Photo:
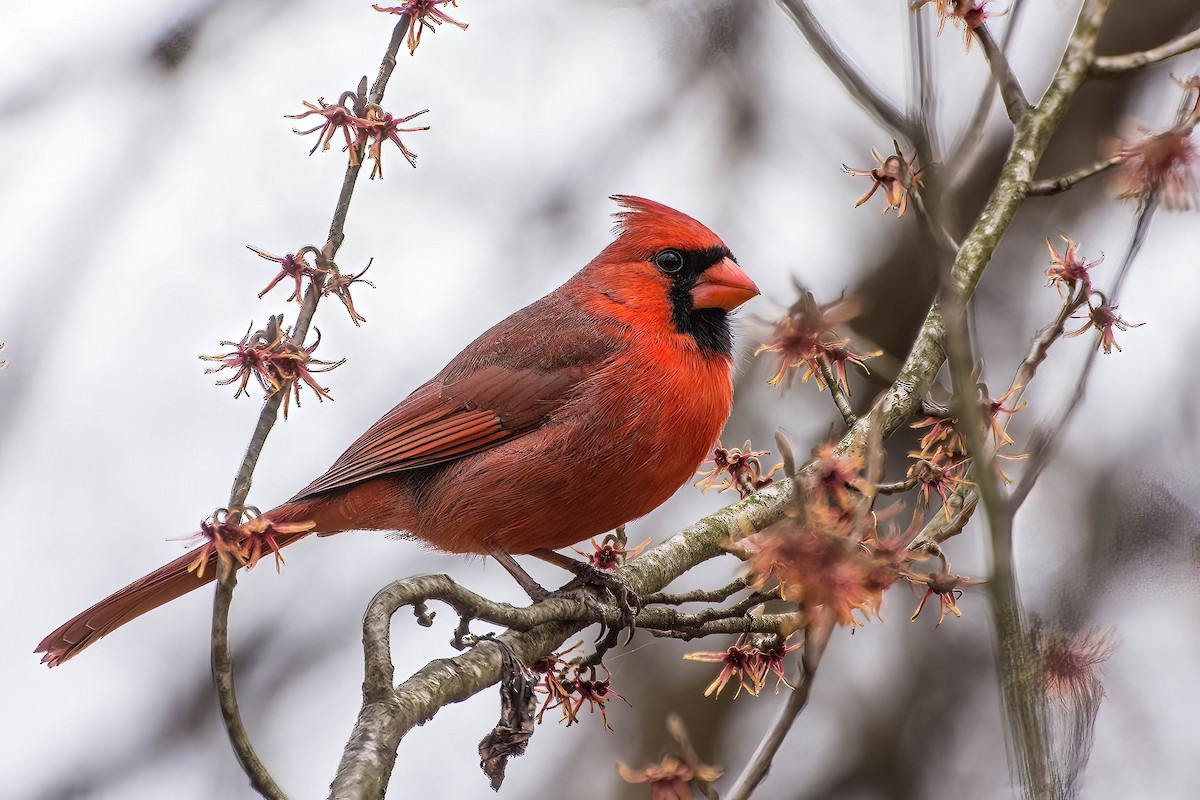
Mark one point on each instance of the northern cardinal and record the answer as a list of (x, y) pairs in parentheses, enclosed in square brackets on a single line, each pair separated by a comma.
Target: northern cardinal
[(573, 416)]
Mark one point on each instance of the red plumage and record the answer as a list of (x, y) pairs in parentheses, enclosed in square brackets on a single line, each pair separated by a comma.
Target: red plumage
[(577, 414)]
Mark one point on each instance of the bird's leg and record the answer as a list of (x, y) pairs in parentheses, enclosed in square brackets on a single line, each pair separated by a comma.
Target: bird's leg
[(587, 575), (535, 590), (538, 593)]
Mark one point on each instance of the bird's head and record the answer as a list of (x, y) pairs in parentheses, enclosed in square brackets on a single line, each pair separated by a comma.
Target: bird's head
[(665, 264)]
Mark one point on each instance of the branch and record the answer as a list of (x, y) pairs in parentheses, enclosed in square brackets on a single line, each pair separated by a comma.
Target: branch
[(1010, 88), (1024, 710), (870, 98), (1117, 66), (222, 659), (1050, 186)]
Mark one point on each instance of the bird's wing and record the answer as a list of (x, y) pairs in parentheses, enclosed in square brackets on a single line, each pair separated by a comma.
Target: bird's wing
[(503, 385)]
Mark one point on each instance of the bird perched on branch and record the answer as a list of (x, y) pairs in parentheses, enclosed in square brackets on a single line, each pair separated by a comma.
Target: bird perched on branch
[(527, 440)]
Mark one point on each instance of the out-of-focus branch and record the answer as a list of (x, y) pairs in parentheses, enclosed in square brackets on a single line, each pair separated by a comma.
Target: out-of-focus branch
[(1049, 186), (886, 113), (1010, 88), (816, 637), (1116, 66), (1024, 709), (922, 90), (222, 659)]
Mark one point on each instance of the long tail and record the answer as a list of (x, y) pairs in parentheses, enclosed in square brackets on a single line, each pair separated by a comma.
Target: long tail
[(145, 594)]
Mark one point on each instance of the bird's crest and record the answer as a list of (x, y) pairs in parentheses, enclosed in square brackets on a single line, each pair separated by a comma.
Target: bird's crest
[(647, 222)]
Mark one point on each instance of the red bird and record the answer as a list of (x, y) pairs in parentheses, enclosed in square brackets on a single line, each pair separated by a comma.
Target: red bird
[(527, 440)]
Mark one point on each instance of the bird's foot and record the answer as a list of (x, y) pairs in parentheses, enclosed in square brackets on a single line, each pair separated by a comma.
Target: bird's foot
[(574, 593), (626, 599), (586, 577)]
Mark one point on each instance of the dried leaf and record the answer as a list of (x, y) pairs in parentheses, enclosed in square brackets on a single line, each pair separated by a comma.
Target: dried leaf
[(517, 704)]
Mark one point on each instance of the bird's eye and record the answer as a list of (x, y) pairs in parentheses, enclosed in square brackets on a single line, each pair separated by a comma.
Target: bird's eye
[(669, 261)]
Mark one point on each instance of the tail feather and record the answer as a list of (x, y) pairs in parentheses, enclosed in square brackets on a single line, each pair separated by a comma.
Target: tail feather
[(145, 594)]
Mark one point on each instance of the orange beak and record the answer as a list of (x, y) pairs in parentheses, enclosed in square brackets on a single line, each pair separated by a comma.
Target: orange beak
[(723, 285)]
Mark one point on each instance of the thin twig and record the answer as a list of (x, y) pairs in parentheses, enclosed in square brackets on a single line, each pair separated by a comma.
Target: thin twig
[(962, 504), (1044, 440), (1010, 88), (868, 96), (697, 595), (1116, 66), (898, 487), (222, 672), (837, 395), (816, 637), (1040, 347), (1050, 186), (222, 659)]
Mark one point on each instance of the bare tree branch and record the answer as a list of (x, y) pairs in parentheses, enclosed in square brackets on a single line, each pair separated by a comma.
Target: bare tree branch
[(1062, 183), (886, 113), (1117, 66), (222, 659)]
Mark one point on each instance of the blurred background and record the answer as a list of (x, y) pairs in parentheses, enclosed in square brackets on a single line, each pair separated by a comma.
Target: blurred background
[(143, 146)]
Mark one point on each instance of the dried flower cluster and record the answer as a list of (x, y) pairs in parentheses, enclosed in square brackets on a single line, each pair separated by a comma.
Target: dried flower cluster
[(944, 457), (748, 664), (240, 542), (741, 467), (1155, 164), (828, 554), (1068, 662), (568, 686), (275, 361), (967, 14), (1068, 270), (423, 15), (806, 336), (894, 174), (326, 274), (1102, 317), (1162, 164), (611, 552), (370, 131), (945, 586), (678, 773)]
